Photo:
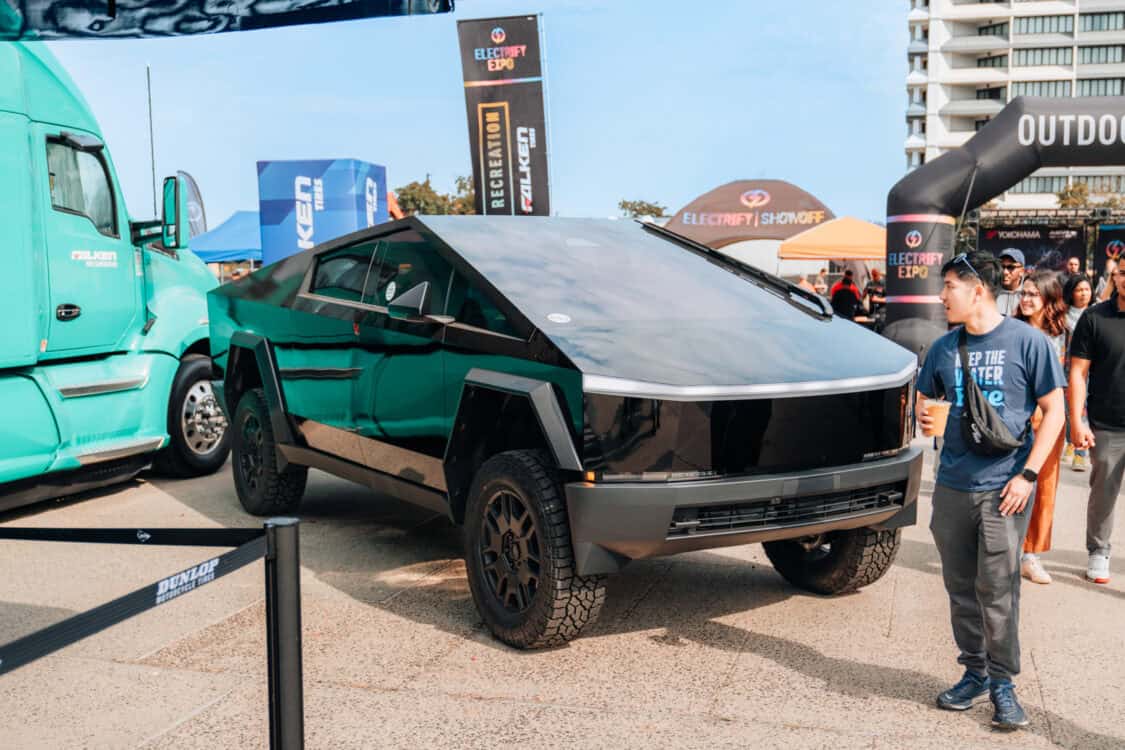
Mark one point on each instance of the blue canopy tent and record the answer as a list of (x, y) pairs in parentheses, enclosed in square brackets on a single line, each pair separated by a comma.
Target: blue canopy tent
[(237, 238)]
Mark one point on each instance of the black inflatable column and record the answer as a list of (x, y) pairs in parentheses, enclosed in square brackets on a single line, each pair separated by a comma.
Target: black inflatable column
[(917, 247)]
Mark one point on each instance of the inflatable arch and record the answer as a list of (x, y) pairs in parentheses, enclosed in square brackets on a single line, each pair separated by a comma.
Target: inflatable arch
[(923, 208)]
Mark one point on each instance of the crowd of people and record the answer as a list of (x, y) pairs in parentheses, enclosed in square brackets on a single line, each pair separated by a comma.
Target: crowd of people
[(1036, 360), (847, 299)]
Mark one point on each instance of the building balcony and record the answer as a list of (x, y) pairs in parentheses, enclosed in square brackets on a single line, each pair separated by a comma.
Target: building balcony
[(918, 15), (972, 108), (1105, 70), (974, 11), (1042, 72), (975, 44), (1033, 41), (915, 109), (952, 139), (915, 142), (917, 78), (917, 47), (973, 76)]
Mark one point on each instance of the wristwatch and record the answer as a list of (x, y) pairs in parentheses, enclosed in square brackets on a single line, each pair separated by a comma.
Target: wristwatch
[(1029, 474)]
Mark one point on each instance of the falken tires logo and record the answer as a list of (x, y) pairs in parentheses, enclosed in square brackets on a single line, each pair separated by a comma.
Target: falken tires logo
[(755, 198), (181, 583), (371, 197), (498, 35), (913, 238)]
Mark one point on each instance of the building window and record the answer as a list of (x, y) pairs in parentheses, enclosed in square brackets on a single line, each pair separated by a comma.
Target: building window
[(1103, 21), (994, 29), (978, 124), (1046, 56), (1039, 185), (1102, 55), (80, 185), (995, 61), (1040, 88), (1101, 87), (1045, 25), (1101, 183), (999, 93)]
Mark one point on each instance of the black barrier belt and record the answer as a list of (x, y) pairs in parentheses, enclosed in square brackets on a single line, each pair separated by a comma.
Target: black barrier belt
[(50, 639), (169, 537)]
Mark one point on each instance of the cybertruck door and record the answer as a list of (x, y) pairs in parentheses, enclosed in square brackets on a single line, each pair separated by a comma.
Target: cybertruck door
[(90, 259), (400, 393)]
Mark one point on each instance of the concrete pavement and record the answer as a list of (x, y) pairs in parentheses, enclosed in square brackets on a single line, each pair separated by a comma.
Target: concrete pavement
[(709, 649)]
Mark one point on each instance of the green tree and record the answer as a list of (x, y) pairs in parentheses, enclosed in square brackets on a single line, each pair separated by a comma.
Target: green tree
[(1076, 195), (465, 199), (421, 198), (633, 209)]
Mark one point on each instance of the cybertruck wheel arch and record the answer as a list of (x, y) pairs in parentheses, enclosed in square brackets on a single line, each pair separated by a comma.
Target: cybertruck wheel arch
[(529, 415), (923, 207), (251, 364)]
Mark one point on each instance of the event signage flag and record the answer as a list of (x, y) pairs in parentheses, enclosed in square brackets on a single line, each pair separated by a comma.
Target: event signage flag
[(197, 214), (1110, 244), (500, 60), (1043, 247), (305, 203)]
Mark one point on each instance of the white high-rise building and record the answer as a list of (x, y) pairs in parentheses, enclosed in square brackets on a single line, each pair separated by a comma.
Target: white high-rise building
[(968, 58)]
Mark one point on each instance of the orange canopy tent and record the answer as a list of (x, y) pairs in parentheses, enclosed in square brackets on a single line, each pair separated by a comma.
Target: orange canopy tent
[(846, 238)]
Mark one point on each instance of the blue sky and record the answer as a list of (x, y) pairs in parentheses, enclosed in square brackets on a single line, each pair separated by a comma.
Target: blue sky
[(656, 100)]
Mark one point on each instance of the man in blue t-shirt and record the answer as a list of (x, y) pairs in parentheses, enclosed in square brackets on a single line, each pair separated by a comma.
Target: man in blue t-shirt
[(981, 504)]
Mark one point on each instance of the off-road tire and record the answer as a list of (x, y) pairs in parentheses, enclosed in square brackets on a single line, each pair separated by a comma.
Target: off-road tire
[(855, 558), (262, 489), (562, 602), (177, 459)]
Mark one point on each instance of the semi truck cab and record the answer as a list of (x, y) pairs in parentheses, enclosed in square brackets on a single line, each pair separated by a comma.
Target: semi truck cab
[(104, 353)]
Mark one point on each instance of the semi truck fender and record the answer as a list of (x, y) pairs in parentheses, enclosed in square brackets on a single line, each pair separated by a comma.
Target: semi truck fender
[(251, 364), (499, 412)]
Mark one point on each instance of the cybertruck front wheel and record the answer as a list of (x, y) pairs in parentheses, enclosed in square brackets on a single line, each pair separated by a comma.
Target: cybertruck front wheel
[(519, 557), (837, 562), (261, 488)]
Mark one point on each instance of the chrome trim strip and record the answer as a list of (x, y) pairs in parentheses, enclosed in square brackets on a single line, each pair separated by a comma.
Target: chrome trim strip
[(607, 386), (104, 386), (374, 454), (320, 373), (124, 451)]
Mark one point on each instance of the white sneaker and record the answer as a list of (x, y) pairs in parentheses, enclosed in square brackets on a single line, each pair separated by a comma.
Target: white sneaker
[(1032, 569), (1097, 569)]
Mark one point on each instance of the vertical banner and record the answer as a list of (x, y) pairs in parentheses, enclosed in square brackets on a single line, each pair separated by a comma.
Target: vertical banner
[(503, 72), (1043, 247), (1110, 244), (917, 247), (197, 215)]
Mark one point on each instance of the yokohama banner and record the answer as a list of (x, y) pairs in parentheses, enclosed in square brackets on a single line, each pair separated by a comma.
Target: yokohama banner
[(503, 75), (1042, 247)]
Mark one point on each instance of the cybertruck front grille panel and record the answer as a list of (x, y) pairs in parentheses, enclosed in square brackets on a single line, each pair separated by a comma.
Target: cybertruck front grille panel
[(782, 512)]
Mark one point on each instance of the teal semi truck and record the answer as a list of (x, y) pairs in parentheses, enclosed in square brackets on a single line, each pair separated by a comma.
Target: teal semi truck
[(104, 355)]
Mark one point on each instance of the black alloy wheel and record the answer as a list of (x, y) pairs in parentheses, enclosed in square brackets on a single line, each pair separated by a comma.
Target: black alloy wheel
[(250, 455), (261, 488), (509, 551)]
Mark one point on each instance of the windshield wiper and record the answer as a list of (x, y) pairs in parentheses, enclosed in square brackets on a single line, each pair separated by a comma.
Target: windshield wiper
[(762, 278)]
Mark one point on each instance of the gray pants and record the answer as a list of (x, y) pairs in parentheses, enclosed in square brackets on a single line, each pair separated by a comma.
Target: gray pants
[(980, 564), (1105, 484)]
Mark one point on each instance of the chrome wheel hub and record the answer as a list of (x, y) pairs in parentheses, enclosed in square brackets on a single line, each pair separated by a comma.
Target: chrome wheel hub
[(201, 420)]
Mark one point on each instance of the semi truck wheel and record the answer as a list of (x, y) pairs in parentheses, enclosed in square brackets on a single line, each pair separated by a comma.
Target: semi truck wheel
[(261, 488), (199, 442), (837, 562), (519, 558)]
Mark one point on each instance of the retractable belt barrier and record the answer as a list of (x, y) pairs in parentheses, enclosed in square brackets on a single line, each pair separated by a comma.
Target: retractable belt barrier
[(276, 542)]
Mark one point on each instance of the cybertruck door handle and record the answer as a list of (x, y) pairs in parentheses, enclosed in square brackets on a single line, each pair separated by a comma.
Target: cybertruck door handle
[(67, 312)]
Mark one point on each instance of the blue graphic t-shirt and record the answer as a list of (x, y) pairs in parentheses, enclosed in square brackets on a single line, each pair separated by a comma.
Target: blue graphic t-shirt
[(1015, 365)]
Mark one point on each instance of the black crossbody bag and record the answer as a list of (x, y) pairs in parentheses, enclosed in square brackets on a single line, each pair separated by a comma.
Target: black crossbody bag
[(981, 426)]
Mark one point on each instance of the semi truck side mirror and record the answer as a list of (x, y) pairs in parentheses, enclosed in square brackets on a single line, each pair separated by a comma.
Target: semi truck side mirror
[(176, 229)]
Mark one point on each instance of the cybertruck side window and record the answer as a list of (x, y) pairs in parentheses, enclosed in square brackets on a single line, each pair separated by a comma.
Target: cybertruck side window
[(342, 273), (80, 185), (404, 260), (470, 306)]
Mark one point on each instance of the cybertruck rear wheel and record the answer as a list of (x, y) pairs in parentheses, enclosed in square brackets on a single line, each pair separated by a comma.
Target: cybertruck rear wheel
[(837, 562), (519, 557), (199, 441), (262, 489)]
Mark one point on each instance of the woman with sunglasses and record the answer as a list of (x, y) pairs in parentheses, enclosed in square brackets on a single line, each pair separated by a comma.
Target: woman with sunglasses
[(1041, 306)]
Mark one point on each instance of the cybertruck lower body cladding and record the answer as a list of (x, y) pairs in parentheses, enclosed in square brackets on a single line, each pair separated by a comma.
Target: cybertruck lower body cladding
[(675, 476)]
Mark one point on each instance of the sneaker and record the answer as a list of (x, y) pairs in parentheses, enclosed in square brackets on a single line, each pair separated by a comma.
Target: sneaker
[(1009, 713), (1080, 463), (971, 689), (1033, 571), (1068, 454), (1097, 569)]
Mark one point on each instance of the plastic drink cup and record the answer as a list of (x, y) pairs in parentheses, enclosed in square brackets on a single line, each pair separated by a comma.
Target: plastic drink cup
[(938, 411)]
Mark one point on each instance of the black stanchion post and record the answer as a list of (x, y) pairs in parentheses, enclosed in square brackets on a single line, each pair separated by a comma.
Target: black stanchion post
[(283, 635)]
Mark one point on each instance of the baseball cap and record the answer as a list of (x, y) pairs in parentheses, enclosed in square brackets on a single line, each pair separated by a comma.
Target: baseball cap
[(1014, 254)]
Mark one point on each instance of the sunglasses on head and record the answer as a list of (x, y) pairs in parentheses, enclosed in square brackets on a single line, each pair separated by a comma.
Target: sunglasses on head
[(964, 258)]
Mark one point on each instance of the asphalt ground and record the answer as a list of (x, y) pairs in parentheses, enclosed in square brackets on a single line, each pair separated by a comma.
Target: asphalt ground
[(709, 649)]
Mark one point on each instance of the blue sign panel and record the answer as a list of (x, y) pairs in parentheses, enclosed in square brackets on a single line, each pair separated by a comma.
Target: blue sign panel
[(305, 203)]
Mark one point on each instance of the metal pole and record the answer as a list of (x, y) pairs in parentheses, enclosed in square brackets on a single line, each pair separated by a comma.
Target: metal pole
[(283, 635), (546, 104), (151, 142)]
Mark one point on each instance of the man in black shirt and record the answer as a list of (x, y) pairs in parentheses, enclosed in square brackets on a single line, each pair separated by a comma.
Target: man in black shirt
[(1098, 351)]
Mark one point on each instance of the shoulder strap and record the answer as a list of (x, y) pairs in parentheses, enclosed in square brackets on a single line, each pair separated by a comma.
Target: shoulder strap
[(963, 350)]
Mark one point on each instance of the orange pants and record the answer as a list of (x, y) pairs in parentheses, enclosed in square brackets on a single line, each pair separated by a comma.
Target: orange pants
[(1043, 512)]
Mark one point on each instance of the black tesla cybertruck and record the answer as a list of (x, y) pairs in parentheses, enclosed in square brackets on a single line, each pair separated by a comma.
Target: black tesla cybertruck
[(577, 394)]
